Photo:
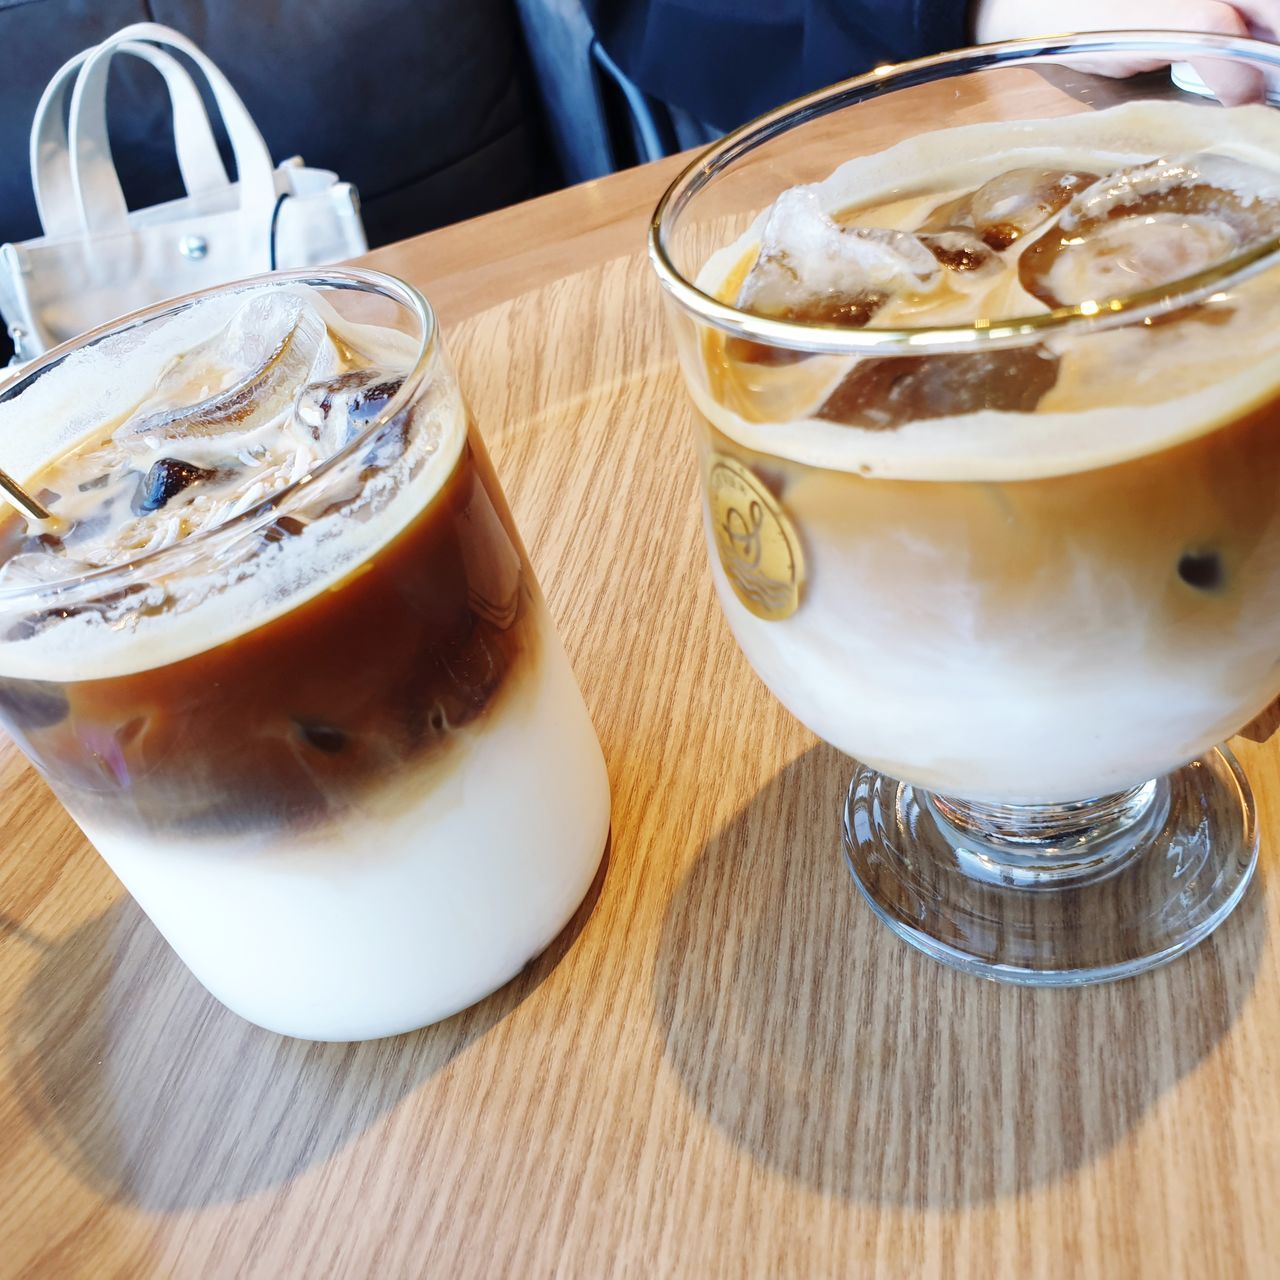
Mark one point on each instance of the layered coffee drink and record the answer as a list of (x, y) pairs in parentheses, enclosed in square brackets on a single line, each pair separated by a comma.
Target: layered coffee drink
[(281, 655), (1031, 555)]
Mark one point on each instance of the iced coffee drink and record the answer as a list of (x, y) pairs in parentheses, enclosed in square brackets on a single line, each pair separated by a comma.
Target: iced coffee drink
[(1093, 593), (986, 420), (283, 658)]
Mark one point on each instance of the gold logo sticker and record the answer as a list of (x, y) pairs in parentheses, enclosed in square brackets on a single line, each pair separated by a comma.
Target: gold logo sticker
[(758, 546)]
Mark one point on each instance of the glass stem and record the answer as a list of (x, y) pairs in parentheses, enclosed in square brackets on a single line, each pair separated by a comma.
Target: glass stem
[(1034, 846)]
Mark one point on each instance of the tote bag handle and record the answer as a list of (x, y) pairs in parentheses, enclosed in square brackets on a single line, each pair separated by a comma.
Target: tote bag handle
[(98, 201), (198, 157)]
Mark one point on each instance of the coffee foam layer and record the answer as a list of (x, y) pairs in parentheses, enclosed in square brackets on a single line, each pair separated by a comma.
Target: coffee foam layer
[(1121, 393)]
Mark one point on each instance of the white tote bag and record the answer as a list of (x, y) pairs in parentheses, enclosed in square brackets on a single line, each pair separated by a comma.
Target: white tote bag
[(96, 260)]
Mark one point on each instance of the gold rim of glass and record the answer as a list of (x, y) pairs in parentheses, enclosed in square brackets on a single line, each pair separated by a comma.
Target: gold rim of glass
[(248, 521), (1091, 314)]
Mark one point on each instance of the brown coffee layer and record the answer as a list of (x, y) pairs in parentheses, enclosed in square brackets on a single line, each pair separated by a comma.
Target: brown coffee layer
[(298, 719), (1185, 541)]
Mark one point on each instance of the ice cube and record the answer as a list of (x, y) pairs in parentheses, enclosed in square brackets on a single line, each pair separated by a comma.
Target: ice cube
[(215, 401), (881, 393), (1201, 183), (809, 268), (1149, 225), (1017, 202), (330, 413), (166, 479), (35, 569), (962, 250)]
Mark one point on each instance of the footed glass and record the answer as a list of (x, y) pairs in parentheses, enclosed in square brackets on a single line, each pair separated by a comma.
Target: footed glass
[(993, 506)]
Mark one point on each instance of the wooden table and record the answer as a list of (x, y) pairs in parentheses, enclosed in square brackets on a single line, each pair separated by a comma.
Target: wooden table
[(725, 1066)]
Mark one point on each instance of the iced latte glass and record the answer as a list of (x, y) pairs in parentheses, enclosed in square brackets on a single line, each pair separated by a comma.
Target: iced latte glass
[(283, 658), (985, 361)]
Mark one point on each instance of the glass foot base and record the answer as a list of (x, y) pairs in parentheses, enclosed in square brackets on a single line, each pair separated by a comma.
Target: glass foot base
[(1056, 895)]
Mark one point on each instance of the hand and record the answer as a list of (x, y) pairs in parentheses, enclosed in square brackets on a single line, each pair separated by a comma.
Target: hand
[(1232, 83)]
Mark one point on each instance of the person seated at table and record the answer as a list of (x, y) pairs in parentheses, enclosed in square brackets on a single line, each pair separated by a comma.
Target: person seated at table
[(725, 61)]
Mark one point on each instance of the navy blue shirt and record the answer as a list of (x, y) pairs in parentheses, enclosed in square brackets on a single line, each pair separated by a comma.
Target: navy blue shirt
[(728, 60)]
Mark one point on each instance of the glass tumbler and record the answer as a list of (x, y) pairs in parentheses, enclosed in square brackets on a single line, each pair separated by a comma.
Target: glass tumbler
[(332, 745), (1023, 565)]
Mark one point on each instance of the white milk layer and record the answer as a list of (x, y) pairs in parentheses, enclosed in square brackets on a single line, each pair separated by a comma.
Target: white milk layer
[(1066, 701), (1083, 679), (381, 923)]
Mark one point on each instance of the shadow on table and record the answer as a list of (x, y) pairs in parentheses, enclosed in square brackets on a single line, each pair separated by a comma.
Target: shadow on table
[(833, 1052), (159, 1097)]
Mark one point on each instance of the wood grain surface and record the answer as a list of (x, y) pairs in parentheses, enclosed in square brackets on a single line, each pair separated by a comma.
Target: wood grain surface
[(725, 1066)]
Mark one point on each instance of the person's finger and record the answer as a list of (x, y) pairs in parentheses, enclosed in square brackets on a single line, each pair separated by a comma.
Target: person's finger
[(1009, 19), (1263, 17), (1115, 68), (1232, 83)]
